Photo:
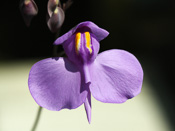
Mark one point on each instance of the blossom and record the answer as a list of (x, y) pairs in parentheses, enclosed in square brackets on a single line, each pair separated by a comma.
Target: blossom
[(28, 10), (55, 16), (112, 76), (55, 12)]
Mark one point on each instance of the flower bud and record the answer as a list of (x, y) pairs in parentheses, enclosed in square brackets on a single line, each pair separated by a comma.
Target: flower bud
[(28, 10), (52, 4), (56, 19)]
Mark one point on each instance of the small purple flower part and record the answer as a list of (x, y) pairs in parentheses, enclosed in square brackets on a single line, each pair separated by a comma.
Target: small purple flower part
[(56, 15), (28, 10), (113, 76)]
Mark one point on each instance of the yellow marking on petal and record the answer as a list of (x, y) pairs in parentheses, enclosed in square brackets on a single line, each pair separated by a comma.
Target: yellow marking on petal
[(26, 2), (56, 2), (56, 10), (77, 42), (88, 41)]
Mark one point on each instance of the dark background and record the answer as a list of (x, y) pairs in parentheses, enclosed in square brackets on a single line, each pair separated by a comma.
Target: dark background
[(145, 28)]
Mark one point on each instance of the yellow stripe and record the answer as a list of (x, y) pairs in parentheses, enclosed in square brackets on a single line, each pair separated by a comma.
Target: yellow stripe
[(56, 10), (88, 41), (77, 42), (26, 2), (56, 1)]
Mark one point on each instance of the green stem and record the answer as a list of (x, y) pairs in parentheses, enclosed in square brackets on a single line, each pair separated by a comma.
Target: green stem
[(37, 118)]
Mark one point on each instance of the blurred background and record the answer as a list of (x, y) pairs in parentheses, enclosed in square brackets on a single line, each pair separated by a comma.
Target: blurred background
[(146, 28)]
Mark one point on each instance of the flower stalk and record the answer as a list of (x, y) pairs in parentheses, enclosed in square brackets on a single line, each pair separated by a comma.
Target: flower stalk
[(37, 118)]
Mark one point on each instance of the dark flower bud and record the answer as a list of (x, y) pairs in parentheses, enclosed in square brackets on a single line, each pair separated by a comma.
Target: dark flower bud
[(56, 19), (52, 4), (28, 10)]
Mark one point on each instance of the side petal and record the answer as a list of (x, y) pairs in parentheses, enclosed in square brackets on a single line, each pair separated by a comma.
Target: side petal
[(116, 76), (55, 83), (98, 32)]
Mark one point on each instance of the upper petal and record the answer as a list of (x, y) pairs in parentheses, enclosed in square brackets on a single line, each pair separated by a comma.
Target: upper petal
[(76, 49), (55, 83), (98, 32), (116, 76)]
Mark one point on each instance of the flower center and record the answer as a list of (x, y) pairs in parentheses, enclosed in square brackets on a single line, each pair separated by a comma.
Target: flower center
[(83, 39)]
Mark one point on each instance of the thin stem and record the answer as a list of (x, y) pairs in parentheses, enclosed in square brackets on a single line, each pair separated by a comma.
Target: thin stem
[(55, 47), (37, 118)]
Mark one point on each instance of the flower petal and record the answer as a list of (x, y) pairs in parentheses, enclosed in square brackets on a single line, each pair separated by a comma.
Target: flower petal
[(82, 56), (55, 83), (116, 76), (99, 33)]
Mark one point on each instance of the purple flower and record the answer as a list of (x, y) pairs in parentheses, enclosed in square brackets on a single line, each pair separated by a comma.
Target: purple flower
[(28, 10), (113, 76), (55, 16)]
